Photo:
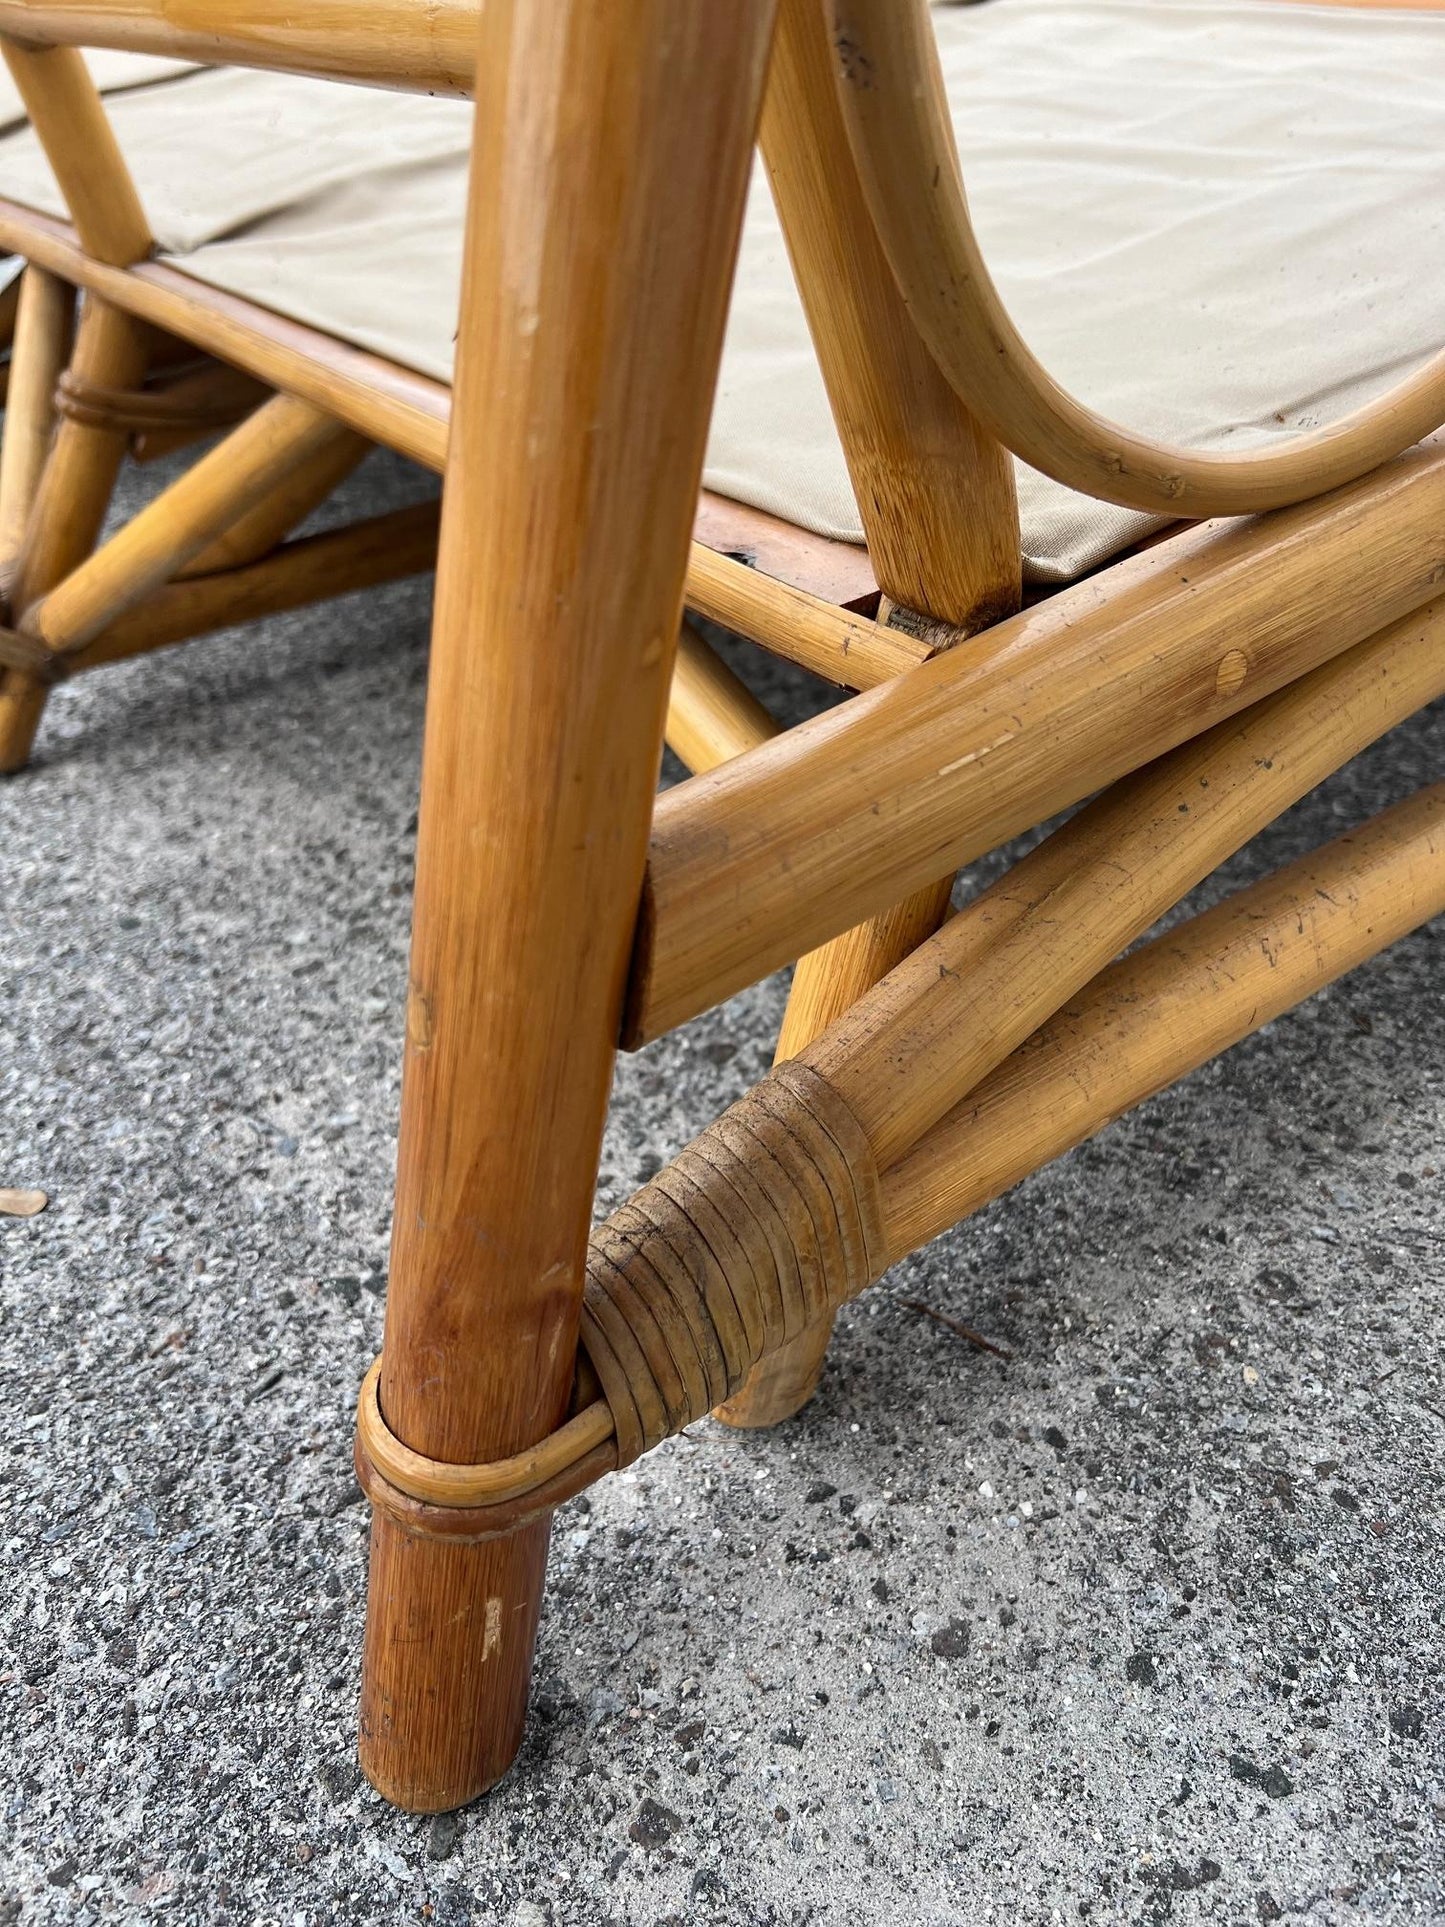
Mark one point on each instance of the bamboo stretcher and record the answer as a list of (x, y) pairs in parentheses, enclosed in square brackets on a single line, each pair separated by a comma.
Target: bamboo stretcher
[(1184, 696)]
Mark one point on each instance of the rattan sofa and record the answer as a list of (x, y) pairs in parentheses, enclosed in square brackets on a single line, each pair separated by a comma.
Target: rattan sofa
[(1206, 219)]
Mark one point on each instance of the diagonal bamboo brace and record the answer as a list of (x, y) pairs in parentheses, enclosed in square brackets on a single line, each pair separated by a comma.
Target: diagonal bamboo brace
[(223, 486)]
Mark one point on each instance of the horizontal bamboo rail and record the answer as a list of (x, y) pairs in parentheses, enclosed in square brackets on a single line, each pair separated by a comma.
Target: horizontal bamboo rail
[(410, 413), (845, 648), (1168, 1008), (385, 548), (806, 836), (952, 1011), (901, 133), (425, 49), (386, 403)]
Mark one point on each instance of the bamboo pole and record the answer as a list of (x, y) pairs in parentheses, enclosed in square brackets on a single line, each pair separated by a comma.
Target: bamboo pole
[(781, 849), (70, 121), (111, 350), (382, 43), (936, 494), (608, 172), (964, 1000), (935, 491), (180, 522), (834, 643), (711, 714), (363, 555), (42, 341), (1171, 1006), (69, 505), (284, 507)]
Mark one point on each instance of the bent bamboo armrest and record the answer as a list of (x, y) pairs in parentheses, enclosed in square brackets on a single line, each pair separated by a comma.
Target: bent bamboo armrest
[(894, 104)]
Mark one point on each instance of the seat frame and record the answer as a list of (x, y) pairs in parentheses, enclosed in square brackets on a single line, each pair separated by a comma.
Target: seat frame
[(1193, 690)]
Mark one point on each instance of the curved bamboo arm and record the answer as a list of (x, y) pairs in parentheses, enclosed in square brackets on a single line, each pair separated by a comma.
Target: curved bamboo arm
[(893, 102)]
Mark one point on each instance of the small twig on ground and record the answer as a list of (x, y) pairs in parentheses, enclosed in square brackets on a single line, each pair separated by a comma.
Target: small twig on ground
[(957, 1326)]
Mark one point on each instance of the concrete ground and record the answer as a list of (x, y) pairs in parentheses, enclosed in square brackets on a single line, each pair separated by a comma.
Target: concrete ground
[(1141, 1625)]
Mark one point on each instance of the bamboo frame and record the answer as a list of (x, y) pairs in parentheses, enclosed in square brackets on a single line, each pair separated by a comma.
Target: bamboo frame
[(962, 1002), (1134, 1031), (314, 568), (1200, 688), (784, 611), (303, 488), (42, 341), (181, 523), (936, 494), (711, 715), (70, 497), (72, 125), (772, 854)]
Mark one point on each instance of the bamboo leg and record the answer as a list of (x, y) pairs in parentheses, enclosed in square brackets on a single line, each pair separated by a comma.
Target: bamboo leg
[(827, 982), (70, 503), (711, 715), (937, 498), (608, 171), (111, 348), (225, 484), (42, 335)]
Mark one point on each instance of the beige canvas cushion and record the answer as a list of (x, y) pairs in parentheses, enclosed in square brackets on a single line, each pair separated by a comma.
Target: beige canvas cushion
[(1220, 223)]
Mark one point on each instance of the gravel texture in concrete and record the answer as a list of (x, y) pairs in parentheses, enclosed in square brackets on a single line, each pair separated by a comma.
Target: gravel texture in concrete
[(1143, 1624)]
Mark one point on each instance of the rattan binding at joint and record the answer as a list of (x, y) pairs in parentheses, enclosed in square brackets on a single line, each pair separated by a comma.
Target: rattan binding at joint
[(767, 1220), (32, 657), (141, 411)]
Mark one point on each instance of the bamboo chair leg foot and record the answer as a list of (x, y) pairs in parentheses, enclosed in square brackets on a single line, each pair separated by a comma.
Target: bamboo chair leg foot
[(781, 1384), (22, 704), (825, 984), (444, 1693)]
